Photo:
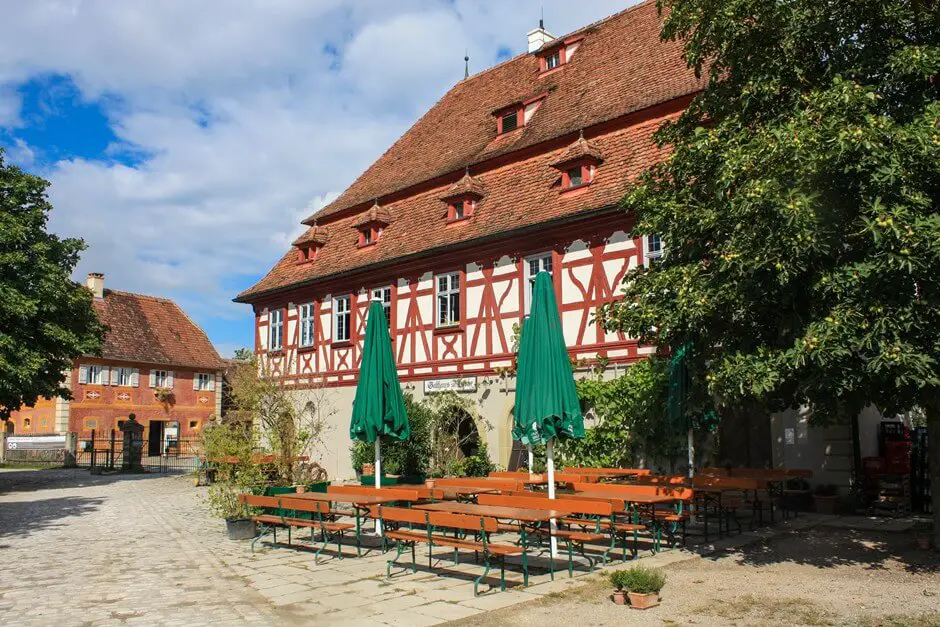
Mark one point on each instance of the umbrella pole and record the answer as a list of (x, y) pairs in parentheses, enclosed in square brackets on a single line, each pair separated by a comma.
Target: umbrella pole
[(531, 459), (691, 440), (550, 467), (378, 479)]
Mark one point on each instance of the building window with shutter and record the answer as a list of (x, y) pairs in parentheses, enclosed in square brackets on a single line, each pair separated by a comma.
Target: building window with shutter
[(276, 330), (534, 265), (126, 377), (94, 375), (341, 319), (202, 382), (448, 299), (384, 296), (306, 325), (160, 379)]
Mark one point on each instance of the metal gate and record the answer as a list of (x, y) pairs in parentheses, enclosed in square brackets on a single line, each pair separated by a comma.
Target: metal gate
[(106, 450), (920, 472)]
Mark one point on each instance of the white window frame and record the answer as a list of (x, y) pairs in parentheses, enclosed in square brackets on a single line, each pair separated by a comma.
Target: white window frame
[(202, 381), (650, 255), (160, 378), (543, 260), (307, 325), (275, 329), (447, 300), (125, 377), (346, 312), (548, 60), (98, 371), (384, 295)]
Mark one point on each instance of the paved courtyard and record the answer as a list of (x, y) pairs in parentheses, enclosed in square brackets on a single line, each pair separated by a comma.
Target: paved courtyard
[(124, 549), (114, 550)]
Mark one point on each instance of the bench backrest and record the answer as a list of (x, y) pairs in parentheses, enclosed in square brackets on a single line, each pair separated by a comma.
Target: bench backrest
[(436, 519), (615, 502), (253, 500), (479, 482), (575, 506), (284, 503), (732, 483), (626, 490), (607, 471), (364, 490), (662, 480), (560, 477)]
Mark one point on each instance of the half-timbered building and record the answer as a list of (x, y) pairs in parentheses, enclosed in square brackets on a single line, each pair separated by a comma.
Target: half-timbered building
[(516, 170)]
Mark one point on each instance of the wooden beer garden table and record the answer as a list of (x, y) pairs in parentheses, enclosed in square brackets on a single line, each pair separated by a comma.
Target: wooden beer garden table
[(360, 503), (522, 514)]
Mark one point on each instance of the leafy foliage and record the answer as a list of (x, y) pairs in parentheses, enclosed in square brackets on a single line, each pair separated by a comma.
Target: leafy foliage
[(230, 448), (47, 320), (639, 579), (289, 421), (799, 208), (402, 457), (631, 419)]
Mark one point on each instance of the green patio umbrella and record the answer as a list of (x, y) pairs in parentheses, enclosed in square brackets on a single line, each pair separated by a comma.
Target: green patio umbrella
[(547, 405), (379, 408), (678, 394)]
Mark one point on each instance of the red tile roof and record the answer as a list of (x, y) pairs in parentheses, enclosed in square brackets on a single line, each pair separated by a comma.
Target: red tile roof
[(620, 68), (152, 330)]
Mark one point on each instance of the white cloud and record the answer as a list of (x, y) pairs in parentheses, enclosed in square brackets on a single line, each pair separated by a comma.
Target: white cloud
[(251, 114)]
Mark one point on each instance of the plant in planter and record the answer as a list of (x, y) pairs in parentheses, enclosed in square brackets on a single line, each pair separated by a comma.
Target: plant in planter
[(164, 396), (641, 584), (231, 448), (826, 499)]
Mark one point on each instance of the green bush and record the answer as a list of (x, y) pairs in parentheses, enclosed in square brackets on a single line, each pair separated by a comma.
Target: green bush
[(230, 448), (639, 579), (408, 457), (476, 465)]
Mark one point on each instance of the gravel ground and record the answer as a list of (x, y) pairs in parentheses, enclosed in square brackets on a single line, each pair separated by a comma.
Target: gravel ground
[(819, 576)]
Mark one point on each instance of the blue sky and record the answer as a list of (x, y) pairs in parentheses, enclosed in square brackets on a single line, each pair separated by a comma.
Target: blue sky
[(186, 140)]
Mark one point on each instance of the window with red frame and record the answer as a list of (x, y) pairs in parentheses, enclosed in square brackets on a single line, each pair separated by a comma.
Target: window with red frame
[(576, 176), (553, 59), (306, 253), (510, 121), (460, 209), (369, 235)]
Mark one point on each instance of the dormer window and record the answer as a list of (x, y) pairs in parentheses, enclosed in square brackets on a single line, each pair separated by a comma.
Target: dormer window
[(578, 164), (462, 197), (553, 60), (508, 122), (371, 224), (310, 243), (558, 53)]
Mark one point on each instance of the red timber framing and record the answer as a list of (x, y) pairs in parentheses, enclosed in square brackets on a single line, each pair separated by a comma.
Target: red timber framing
[(589, 258)]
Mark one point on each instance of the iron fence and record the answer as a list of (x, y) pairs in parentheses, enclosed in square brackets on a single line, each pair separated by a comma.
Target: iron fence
[(106, 450)]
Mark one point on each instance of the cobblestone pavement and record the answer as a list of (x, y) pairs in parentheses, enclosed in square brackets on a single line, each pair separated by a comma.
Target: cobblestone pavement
[(123, 549)]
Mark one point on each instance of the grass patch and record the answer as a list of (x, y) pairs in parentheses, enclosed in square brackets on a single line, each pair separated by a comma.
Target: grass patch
[(919, 620), (793, 610)]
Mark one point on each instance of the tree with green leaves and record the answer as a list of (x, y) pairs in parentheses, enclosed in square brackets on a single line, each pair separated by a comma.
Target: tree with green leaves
[(46, 320), (799, 209)]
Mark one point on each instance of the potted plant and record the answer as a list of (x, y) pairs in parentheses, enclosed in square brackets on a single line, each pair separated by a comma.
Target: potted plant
[(642, 586), (617, 578), (230, 449), (826, 499)]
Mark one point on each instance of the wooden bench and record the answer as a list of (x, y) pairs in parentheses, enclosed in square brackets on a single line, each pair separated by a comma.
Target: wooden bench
[(560, 477), (734, 497), (285, 514), (433, 523), (612, 472), (624, 531), (483, 483), (409, 495), (662, 519)]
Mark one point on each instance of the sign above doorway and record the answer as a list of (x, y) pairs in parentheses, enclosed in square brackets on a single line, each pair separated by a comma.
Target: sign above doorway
[(462, 384)]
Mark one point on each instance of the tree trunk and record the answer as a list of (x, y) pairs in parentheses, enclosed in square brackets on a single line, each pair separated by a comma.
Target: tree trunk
[(933, 466)]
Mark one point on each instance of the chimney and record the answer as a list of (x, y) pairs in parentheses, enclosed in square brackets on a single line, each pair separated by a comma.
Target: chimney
[(539, 37), (95, 283)]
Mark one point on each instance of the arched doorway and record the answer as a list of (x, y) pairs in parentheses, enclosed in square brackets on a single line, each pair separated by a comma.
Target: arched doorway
[(456, 438)]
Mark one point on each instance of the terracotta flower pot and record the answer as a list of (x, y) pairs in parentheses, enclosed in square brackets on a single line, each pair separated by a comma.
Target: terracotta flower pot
[(429, 483), (300, 489), (368, 469), (619, 597), (640, 601)]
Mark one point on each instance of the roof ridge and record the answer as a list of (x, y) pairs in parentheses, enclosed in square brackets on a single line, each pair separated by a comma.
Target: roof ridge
[(139, 295), (565, 36)]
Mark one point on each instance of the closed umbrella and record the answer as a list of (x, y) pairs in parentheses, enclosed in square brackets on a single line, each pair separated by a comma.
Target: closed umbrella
[(677, 409), (379, 408), (547, 405)]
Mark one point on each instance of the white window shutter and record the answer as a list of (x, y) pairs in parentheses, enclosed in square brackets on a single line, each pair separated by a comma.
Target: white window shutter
[(195, 381), (83, 374), (212, 383), (169, 379), (153, 378), (135, 377), (106, 376)]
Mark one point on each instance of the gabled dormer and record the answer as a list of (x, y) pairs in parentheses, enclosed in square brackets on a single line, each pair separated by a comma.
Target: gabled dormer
[(462, 197), (372, 223), (310, 243), (556, 54), (578, 163), (515, 116)]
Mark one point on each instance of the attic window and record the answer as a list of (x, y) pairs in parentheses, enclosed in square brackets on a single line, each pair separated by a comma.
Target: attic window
[(307, 253), (310, 243), (460, 209), (462, 197), (509, 121), (575, 176), (578, 164), (369, 235)]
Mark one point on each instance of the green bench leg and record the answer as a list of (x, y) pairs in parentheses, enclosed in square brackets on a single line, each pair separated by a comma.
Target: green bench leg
[(525, 569), (401, 548), (502, 573), (486, 571)]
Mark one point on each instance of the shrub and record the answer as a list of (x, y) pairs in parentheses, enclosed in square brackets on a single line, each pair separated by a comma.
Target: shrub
[(639, 579), (408, 457)]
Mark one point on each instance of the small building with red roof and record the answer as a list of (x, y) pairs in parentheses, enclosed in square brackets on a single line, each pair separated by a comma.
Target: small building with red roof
[(155, 362)]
